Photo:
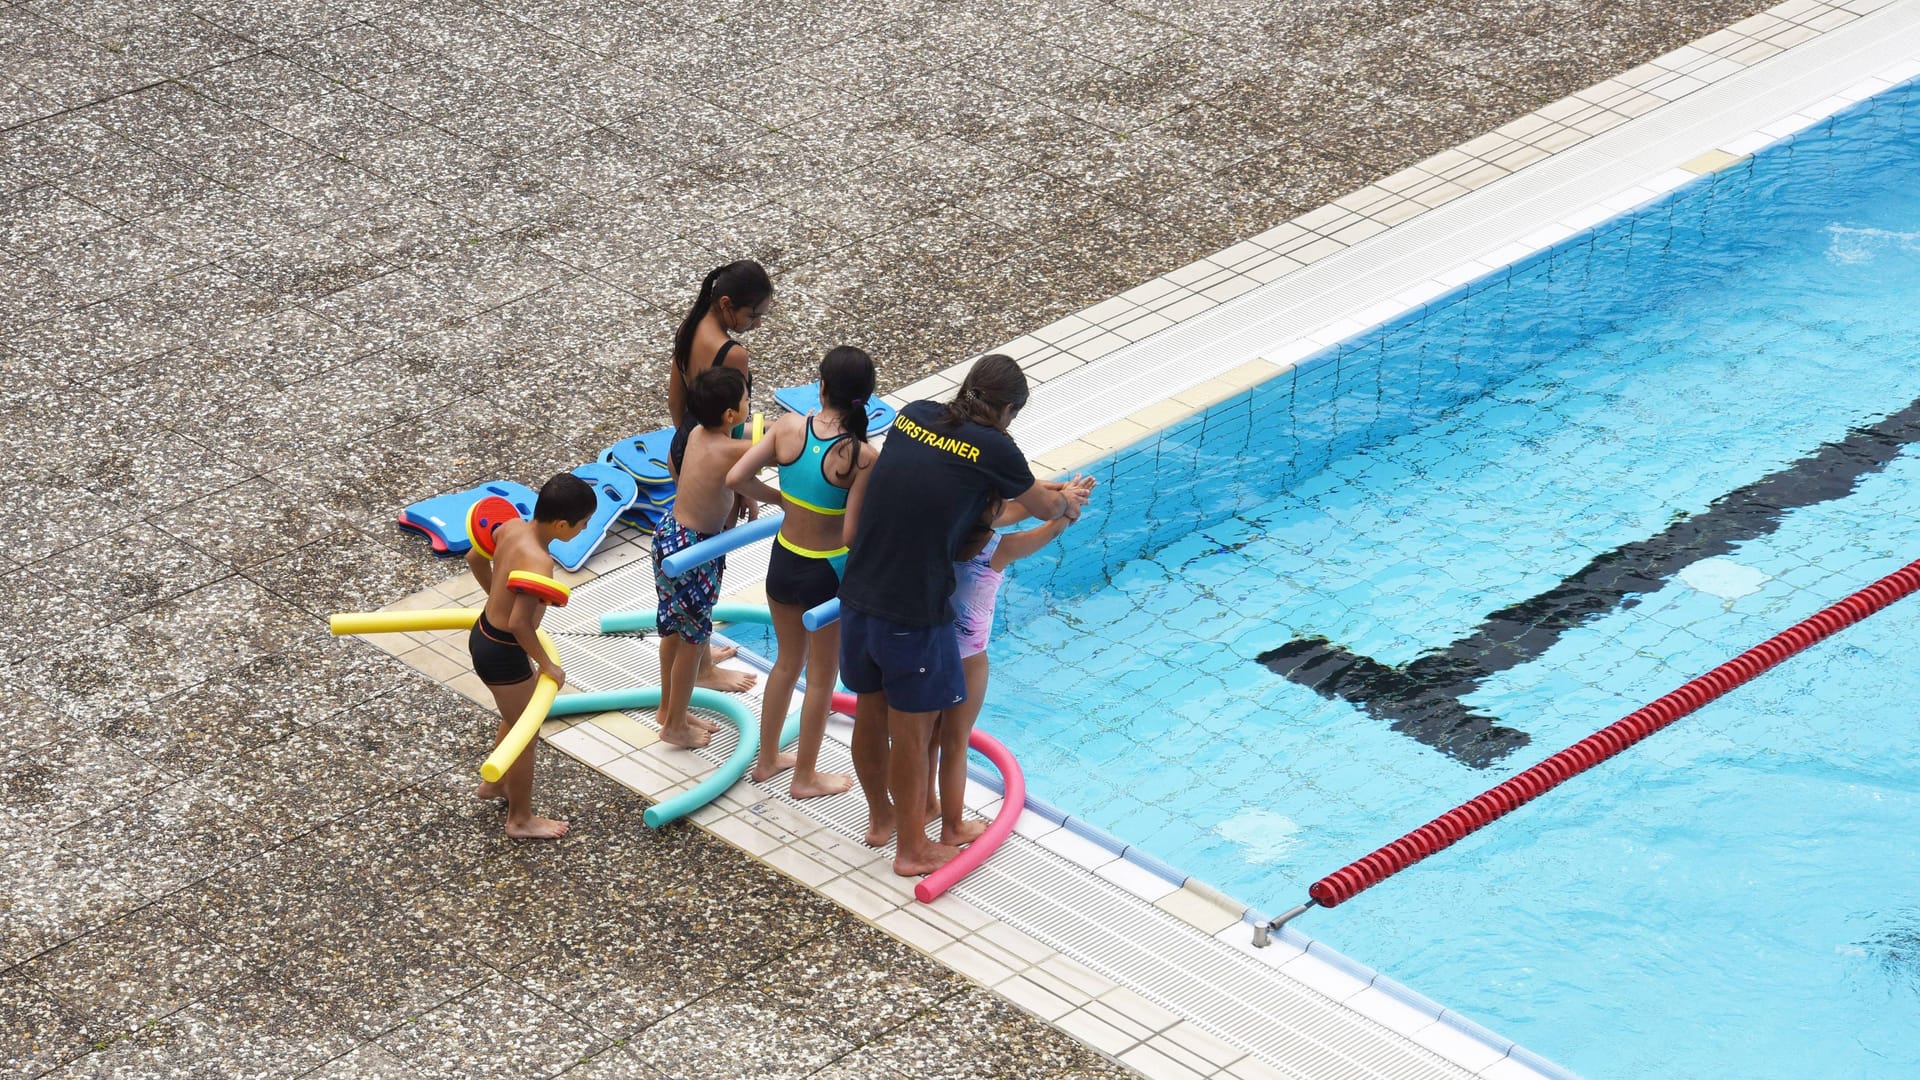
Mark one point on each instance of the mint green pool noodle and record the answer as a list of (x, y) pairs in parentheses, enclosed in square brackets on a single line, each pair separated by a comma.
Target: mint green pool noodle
[(614, 622), (723, 777)]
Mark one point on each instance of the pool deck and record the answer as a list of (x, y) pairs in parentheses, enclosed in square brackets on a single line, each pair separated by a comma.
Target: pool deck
[(272, 274)]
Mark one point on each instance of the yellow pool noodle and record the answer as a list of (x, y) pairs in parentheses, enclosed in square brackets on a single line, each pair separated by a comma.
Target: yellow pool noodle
[(401, 622), (759, 425), (525, 728)]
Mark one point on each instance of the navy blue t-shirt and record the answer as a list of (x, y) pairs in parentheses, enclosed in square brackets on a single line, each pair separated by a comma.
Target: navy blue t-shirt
[(929, 486)]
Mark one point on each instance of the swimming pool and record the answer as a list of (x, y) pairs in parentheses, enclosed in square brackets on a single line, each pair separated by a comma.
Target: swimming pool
[(1324, 611)]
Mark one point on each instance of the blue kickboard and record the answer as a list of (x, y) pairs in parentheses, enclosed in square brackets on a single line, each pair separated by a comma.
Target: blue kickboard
[(658, 494), (806, 399), (614, 490), (643, 516), (644, 456), (443, 518)]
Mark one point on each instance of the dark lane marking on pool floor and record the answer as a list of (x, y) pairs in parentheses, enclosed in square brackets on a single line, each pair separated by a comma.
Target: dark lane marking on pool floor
[(1421, 698)]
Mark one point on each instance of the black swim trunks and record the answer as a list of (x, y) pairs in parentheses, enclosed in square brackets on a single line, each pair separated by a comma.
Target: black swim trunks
[(800, 580), (497, 658)]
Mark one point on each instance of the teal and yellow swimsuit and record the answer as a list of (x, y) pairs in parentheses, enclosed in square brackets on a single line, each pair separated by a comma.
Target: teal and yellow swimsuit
[(800, 575)]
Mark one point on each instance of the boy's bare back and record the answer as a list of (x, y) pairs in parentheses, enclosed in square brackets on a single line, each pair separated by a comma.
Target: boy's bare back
[(703, 502)]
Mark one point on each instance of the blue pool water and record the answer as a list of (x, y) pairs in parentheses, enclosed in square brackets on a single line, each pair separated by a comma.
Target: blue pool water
[(1739, 895)]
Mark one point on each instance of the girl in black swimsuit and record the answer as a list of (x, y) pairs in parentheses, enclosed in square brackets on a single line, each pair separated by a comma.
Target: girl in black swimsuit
[(733, 300)]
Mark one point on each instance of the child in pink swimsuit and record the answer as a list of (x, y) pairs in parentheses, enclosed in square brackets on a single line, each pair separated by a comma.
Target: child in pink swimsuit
[(982, 566)]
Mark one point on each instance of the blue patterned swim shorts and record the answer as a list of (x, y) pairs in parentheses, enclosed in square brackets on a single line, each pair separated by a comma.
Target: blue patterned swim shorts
[(686, 602)]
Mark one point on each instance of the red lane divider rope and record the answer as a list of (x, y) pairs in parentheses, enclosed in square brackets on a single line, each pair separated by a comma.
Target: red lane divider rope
[(1447, 829)]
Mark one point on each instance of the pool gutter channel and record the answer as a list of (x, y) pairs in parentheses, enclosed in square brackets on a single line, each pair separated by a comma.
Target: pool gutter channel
[(1255, 920), (1082, 412)]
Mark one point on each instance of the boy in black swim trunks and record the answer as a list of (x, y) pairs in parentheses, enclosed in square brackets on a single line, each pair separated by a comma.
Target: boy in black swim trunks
[(505, 643)]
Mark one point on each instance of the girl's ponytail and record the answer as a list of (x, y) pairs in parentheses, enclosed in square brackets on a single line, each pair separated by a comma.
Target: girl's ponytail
[(744, 282), (683, 337), (846, 384)]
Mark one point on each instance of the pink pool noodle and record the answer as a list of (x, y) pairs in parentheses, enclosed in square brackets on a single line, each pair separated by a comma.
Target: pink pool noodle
[(1014, 785)]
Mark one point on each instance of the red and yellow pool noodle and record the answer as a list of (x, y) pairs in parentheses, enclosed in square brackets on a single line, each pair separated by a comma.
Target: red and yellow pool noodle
[(522, 734)]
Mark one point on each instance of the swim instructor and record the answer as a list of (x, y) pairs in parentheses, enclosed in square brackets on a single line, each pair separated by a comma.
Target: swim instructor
[(897, 647)]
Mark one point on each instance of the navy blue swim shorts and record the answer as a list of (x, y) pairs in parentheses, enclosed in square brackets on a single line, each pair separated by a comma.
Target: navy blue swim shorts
[(917, 667)]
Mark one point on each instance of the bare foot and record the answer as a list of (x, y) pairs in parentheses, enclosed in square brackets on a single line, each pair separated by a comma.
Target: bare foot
[(879, 831), (821, 784), (781, 763), (702, 722), (720, 653), (489, 791), (538, 828), (687, 738), (965, 833), (726, 680), (925, 861)]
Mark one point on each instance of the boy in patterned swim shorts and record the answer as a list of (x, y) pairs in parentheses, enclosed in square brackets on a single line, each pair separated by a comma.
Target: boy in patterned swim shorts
[(703, 506)]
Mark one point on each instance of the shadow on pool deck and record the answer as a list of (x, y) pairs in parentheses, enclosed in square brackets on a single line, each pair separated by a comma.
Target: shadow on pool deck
[(272, 272)]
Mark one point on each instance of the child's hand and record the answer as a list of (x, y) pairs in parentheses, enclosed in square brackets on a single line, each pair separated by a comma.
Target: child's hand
[(1076, 491), (553, 671)]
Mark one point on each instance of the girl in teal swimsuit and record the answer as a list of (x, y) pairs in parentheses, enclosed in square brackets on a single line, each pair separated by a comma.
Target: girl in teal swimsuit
[(823, 460)]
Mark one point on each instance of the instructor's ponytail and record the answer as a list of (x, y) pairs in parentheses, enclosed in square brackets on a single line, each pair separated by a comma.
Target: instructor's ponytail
[(992, 383)]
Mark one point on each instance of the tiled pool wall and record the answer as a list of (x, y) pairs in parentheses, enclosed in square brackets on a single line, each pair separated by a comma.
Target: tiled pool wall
[(1406, 373)]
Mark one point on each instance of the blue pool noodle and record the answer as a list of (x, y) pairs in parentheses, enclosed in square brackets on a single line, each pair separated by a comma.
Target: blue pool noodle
[(824, 615), (723, 776), (694, 555), (615, 622)]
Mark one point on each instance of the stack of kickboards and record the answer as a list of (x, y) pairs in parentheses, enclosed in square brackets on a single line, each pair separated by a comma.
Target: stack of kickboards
[(630, 479)]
